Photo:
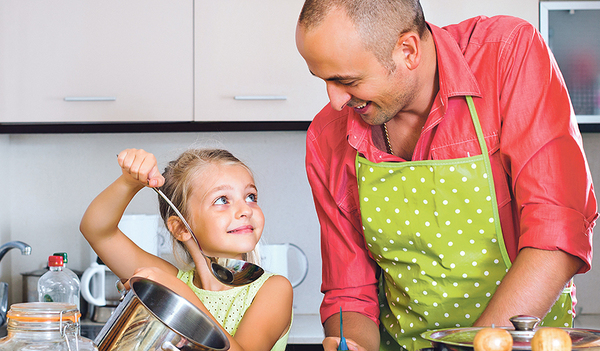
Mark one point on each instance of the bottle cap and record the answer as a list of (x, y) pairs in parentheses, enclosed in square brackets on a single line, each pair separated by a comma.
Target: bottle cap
[(64, 256), (55, 261)]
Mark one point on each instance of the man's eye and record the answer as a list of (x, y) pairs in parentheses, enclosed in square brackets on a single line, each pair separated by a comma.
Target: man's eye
[(251, 198), (350, 83), (221, 201)]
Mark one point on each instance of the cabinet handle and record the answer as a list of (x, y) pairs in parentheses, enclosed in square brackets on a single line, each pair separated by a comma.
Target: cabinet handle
[(260, 97), (90, 98)]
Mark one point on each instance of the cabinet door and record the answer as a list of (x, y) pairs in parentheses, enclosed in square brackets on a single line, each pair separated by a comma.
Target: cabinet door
[(444, 12), (96, 61), (247, 66)]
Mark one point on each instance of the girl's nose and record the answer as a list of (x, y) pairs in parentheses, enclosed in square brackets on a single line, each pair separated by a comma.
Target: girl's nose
[(243, 209), (337, 95)]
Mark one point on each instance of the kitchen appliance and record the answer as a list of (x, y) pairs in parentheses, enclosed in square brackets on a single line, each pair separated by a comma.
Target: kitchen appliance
[(579, 60), (152, 317), (98, 281), (276, 258), (30, 280), (143, 230), (459, 339), (98, 289)]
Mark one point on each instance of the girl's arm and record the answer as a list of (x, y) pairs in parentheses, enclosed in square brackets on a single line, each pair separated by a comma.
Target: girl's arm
[(99, 224), (268, 318)]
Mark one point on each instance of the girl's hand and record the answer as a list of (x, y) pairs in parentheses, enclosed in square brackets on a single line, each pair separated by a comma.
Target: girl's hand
[(331, 343), (140, 168)]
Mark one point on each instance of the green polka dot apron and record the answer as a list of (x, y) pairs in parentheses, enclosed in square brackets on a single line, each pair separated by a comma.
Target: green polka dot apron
[(433, 228)]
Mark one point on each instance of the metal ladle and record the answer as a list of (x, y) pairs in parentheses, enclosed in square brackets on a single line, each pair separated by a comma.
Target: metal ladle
[(228, 271)]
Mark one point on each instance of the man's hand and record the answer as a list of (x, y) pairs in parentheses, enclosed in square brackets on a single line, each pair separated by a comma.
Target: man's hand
[(362, 334)]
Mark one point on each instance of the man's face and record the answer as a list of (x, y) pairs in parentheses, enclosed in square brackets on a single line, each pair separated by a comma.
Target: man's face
[(354, 76)]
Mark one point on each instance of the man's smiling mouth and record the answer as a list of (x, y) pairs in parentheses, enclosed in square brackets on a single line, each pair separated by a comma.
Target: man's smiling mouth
[(360, 109)]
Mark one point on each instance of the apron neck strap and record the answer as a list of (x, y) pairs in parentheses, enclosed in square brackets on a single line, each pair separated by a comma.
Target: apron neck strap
[(477, 125)]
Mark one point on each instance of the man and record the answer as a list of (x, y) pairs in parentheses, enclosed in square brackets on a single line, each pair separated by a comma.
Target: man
[(448, 173)]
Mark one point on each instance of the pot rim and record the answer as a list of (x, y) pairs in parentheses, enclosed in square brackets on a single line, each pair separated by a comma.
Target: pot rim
[(132, 283)]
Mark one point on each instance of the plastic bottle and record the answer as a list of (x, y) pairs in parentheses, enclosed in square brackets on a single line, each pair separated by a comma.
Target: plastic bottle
[(56, 285), (65, 269)]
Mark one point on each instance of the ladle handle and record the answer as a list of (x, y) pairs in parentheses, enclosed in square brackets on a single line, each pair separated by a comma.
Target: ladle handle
[(178, 214)]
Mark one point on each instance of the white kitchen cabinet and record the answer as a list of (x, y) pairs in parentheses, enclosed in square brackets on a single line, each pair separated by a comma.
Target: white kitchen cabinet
[(96, 61), (444, 12), (247, 67)]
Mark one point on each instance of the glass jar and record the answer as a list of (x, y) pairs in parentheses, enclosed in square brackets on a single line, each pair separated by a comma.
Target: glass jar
[(44, 326)]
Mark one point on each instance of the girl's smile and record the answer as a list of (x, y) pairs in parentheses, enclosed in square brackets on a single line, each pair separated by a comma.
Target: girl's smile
[(242, 230)]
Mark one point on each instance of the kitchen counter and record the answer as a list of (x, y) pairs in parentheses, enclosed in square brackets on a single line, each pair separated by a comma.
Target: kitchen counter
[(306, 329)]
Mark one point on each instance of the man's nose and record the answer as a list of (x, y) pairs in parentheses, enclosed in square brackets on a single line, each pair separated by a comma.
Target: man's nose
[(337, 95)]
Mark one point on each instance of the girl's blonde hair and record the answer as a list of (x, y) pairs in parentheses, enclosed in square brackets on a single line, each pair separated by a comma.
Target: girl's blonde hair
[(179, 176)]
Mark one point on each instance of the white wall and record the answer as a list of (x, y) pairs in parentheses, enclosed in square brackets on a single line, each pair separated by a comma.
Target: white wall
[(444, 12), (49, 180)]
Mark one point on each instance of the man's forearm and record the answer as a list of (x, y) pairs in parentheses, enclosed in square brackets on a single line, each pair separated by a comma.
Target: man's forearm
[(531, 286), (357, 327)]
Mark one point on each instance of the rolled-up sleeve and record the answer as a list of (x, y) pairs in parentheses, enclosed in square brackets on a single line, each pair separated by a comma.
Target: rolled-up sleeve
[(543, 152)]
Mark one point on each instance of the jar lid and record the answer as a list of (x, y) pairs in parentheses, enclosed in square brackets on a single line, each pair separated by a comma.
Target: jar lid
[(44, 312)]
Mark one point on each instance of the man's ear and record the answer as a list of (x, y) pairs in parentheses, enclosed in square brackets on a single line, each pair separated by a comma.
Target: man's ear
[(178, 229), (408, 50)]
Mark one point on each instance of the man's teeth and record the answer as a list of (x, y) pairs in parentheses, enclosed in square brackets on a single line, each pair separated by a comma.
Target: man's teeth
[(361, 106)]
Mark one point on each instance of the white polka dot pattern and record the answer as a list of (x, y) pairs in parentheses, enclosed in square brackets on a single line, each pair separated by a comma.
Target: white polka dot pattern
[(432, 229), (434, 237)]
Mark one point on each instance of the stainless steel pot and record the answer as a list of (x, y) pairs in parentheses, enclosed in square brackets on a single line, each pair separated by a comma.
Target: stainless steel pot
[(152, 317), (30, 280), (461, 339)]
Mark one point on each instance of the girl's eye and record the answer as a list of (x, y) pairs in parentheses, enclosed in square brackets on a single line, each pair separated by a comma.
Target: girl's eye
[(251, 198), (221, 201)]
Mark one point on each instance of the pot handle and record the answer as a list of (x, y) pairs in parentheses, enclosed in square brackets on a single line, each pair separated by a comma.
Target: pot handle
[(167, 346)]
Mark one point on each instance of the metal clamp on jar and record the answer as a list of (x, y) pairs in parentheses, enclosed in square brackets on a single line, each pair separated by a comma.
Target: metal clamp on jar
[(44, 325)]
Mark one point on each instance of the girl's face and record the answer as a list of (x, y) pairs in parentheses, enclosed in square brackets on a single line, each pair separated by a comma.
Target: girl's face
[(224, 211)]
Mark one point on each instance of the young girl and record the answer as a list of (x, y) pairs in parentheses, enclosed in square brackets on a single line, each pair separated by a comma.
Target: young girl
[(216, 194)]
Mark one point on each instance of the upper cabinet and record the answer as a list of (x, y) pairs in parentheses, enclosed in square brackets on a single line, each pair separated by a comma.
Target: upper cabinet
[(444, 12), (247, 67), (96, 61)]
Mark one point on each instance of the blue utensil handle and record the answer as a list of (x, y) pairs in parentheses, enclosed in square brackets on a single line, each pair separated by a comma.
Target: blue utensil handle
[(342, 345)]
